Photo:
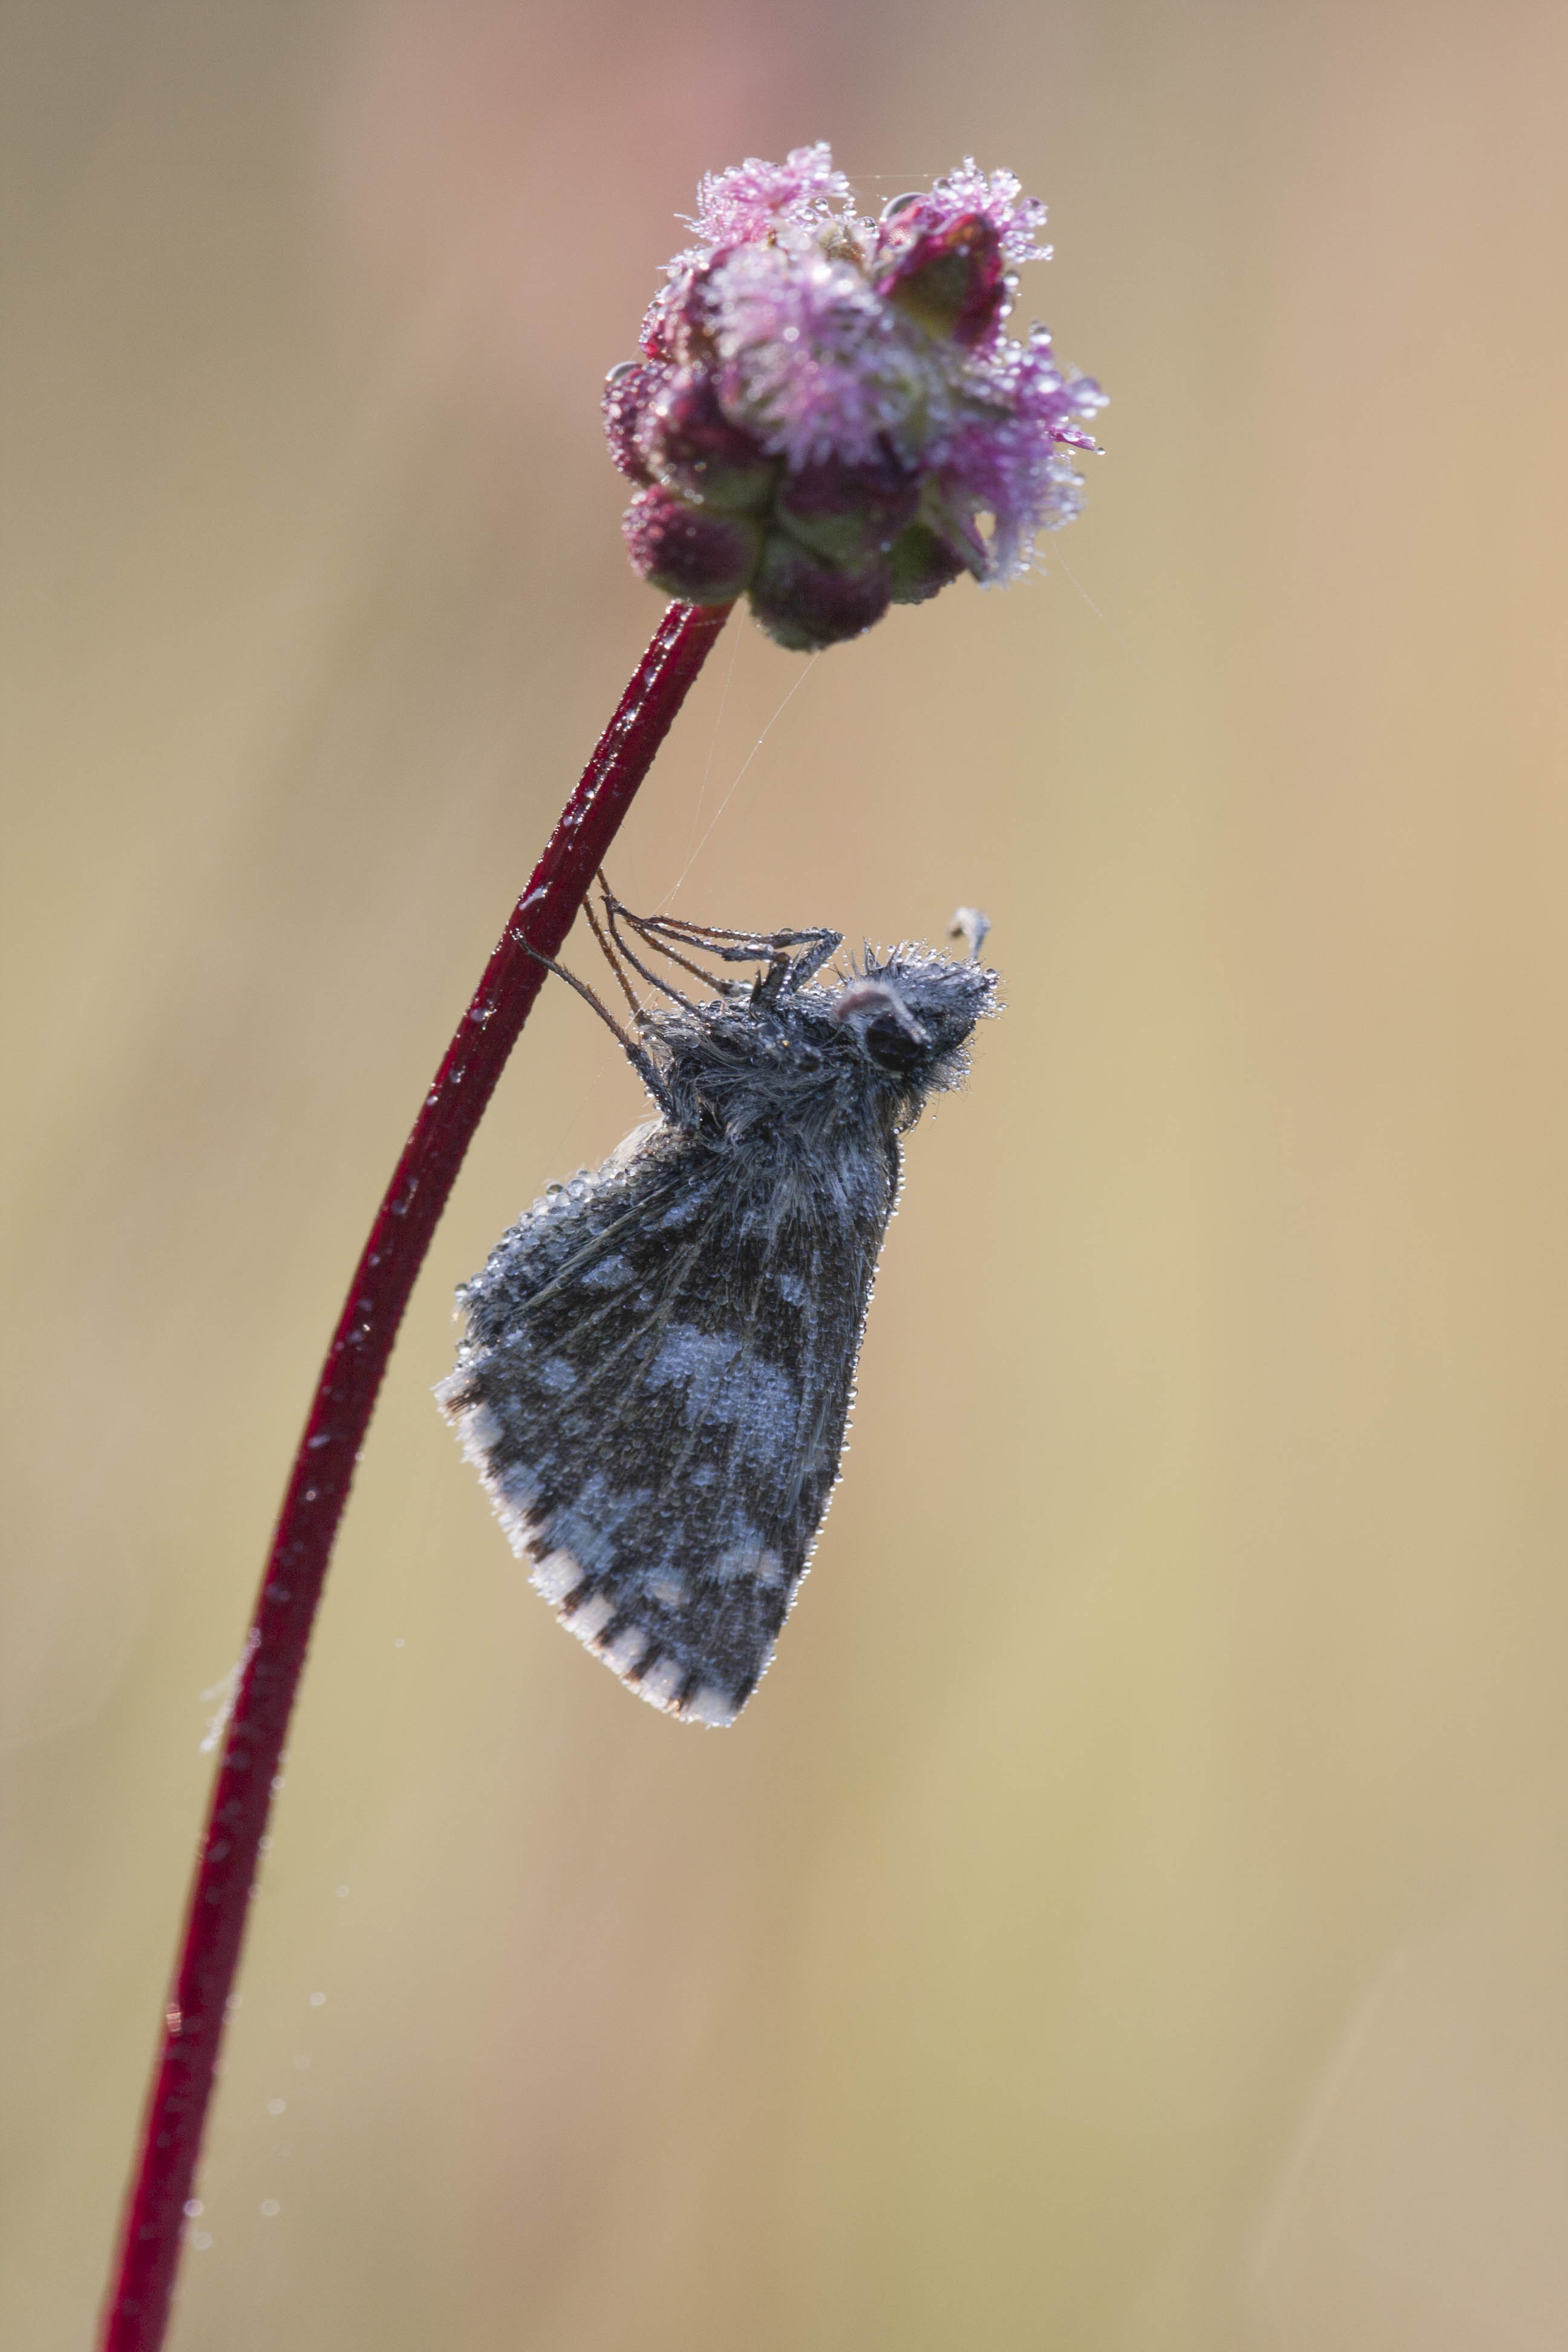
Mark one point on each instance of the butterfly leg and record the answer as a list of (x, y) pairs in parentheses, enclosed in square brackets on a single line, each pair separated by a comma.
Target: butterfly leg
[(640, 1061), (785, 971)]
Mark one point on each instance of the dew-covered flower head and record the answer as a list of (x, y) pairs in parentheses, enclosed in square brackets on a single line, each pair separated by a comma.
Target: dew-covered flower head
[(828, 416)]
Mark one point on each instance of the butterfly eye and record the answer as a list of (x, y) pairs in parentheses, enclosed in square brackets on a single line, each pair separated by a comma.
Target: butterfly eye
[(894, 1044), (885, 1029)]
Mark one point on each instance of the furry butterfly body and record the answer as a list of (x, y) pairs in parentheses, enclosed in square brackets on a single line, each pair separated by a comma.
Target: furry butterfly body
[(659, 1359)]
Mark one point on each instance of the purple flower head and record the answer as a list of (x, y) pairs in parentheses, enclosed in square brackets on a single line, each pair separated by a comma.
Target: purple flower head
[(831, 401)]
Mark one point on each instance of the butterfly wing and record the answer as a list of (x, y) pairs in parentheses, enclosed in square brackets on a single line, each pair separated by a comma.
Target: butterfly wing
[(658, 1368)]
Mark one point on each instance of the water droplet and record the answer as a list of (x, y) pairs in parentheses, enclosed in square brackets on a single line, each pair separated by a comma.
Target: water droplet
[(276, 2107), (193, 2206), (317, 1998), (269, 2206)]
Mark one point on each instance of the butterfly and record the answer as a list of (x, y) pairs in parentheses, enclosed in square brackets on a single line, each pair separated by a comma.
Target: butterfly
[(658, 1360)]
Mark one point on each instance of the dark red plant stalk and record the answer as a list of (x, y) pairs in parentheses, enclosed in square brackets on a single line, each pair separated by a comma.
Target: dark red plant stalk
[(137, 2312)]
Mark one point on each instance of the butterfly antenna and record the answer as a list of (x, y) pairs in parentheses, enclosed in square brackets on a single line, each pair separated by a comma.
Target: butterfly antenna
[(971, 926)]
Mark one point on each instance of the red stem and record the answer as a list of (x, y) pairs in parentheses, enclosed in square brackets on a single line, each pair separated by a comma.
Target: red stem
[(137, 2312)]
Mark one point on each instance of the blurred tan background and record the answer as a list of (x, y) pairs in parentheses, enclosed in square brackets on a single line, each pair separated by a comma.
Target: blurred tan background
[(1132, 1916)]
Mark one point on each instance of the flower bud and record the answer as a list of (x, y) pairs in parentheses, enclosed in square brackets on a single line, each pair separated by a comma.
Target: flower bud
[(690, 552), (806, 605), (630, 393), (690, 446), (951, 279), (923, 564), (844, 513)]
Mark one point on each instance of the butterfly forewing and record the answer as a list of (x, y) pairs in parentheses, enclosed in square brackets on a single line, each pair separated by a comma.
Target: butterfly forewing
[(657, 1372)]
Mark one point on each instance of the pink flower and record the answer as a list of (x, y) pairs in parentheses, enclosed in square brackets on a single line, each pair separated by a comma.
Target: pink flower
[(837, 395), (751, 201)]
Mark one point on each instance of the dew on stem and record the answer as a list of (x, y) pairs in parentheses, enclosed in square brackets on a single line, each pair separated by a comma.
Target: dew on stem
[(249, 1769)]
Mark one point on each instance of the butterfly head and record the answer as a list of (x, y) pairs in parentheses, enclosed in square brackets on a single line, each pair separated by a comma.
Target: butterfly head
[(912, 1016)]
